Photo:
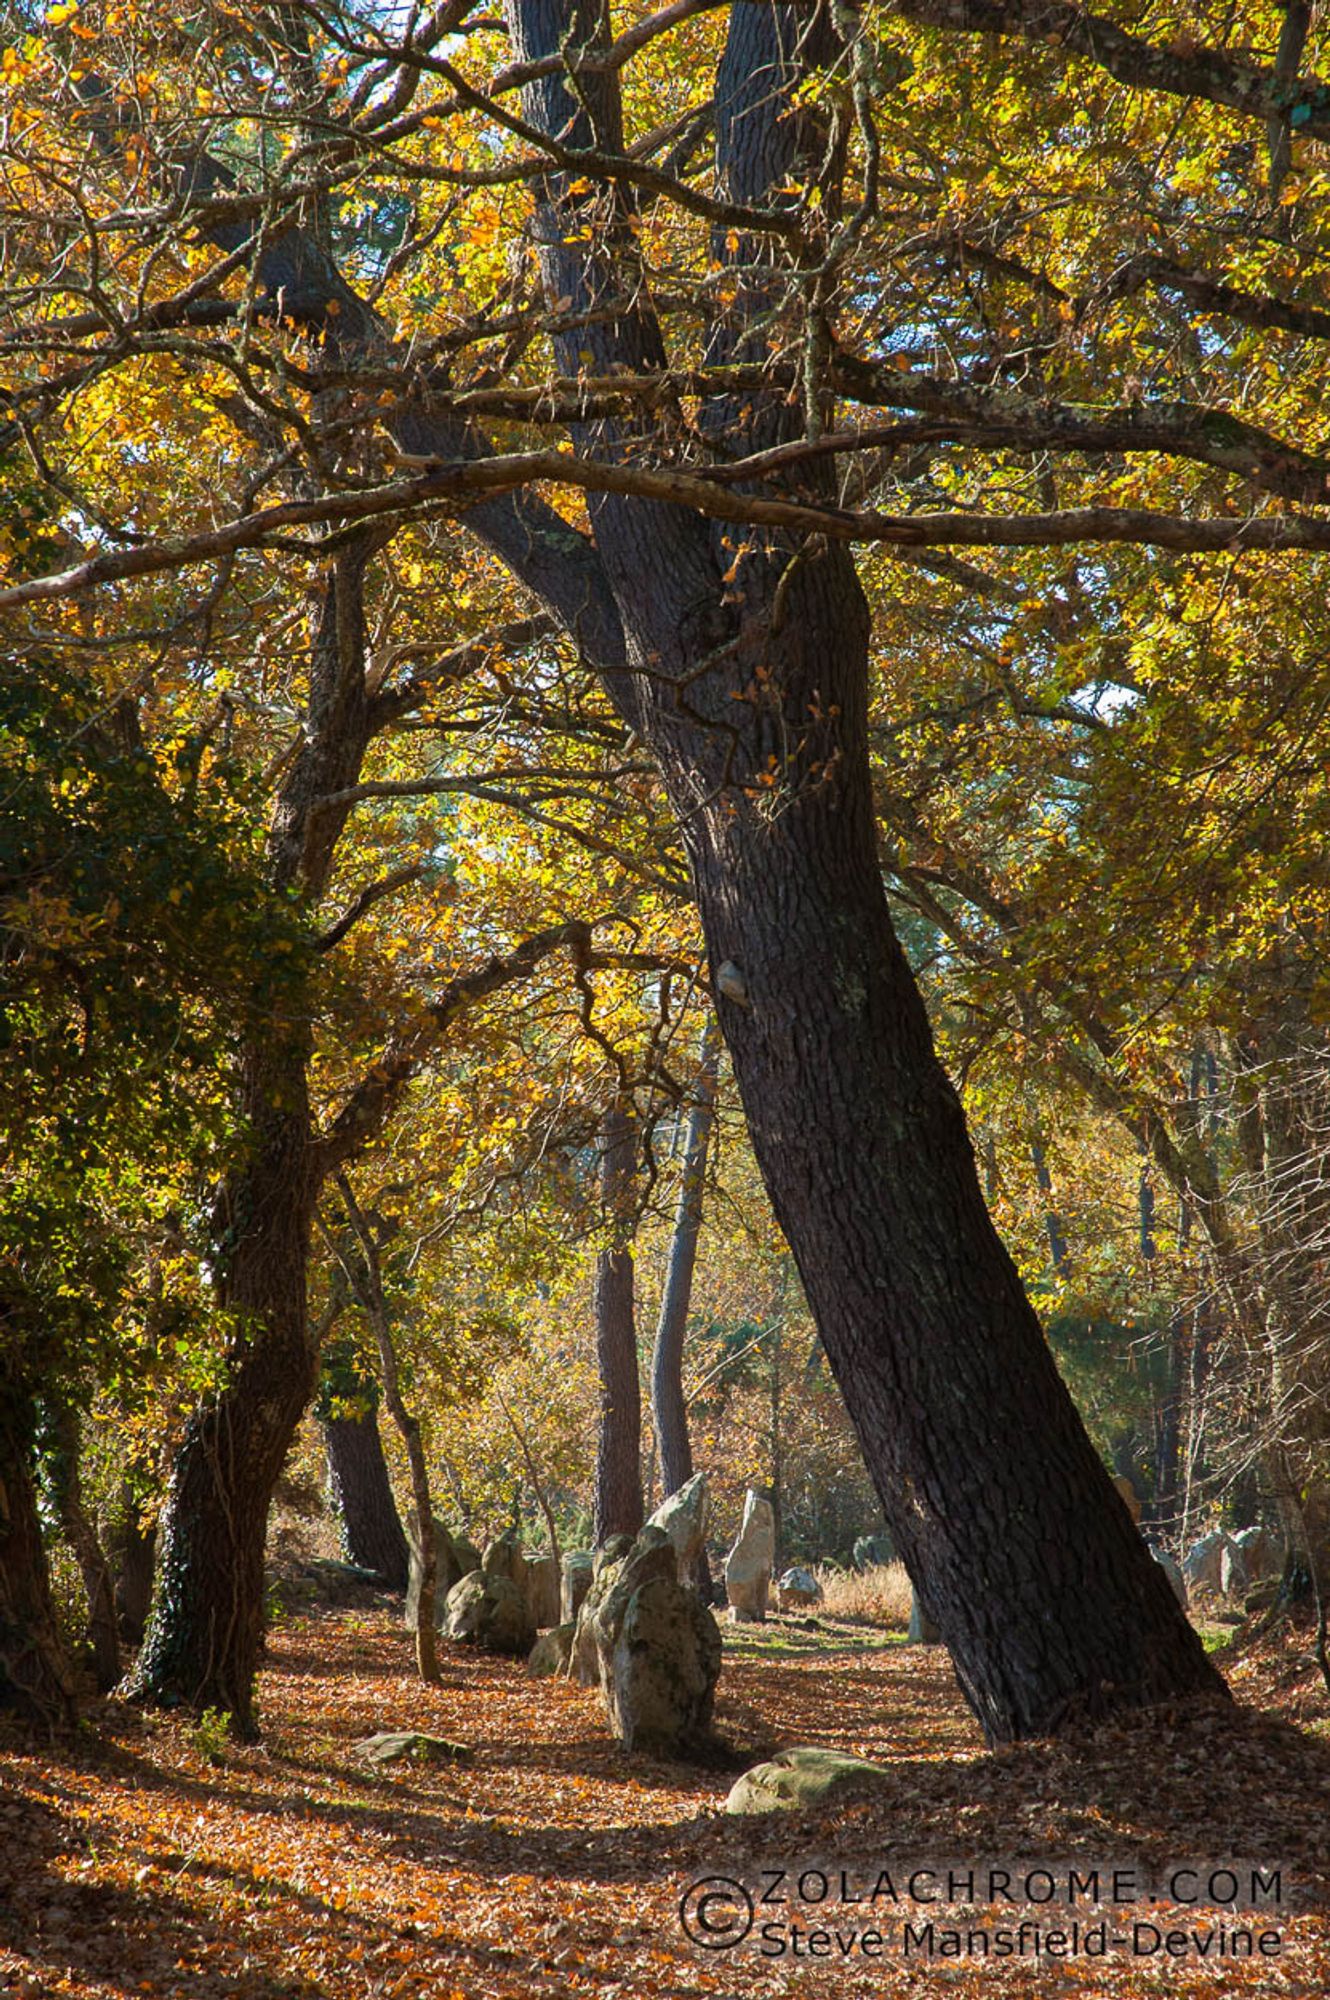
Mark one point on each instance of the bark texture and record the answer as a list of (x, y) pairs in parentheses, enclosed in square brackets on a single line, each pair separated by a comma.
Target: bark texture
[(35, 1680), (362, 1494), (667, 1397), (88, 1551), (619, 1506)]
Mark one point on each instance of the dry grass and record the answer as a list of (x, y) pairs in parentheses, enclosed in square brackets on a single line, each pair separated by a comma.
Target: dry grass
[(876, 1596)]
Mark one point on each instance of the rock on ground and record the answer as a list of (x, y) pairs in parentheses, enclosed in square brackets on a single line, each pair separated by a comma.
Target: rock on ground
[(749, 1564), (801, 1777)]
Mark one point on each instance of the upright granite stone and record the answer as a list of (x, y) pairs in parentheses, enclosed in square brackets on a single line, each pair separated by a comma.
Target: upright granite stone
[(922, 1632), (650, 1645), (577, 1572), (684, 1518), (504, 1557), (1203, 1561), (490, 1611), (749, 1564), (1172, 1572), (873, 1551), (542, 1590)]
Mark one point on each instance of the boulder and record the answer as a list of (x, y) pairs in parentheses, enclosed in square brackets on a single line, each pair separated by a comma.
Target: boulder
[(612, 1551), (749, 1564), (684, 1518), (797, 1589), (874, 1551), (1173, 1573), (1202, 1562), (552, 1651), (489, 1611), (1262, 1553), (650, 1645), (390, 1746), (542, 1590), (575, 1582), (804, 1776)]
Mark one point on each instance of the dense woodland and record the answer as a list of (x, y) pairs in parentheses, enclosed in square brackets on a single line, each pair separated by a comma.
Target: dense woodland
[(663, 808)]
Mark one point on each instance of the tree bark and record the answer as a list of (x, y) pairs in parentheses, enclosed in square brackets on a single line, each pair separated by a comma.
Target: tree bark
[(619, 1508), (1052, 1606), (201, 1648), (88, 1551), (132, 1550), (668, 1405), (35, 1680), (372, 1533)]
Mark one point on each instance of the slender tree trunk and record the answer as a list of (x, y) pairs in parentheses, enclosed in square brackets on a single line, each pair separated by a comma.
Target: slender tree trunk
[(88, 1552), (366, 1278), (667, 1397), (619, 1509), (35, 1679), (362, 1494)]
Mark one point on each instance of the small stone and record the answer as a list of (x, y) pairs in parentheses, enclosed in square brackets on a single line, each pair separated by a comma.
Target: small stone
[(391, 1746)]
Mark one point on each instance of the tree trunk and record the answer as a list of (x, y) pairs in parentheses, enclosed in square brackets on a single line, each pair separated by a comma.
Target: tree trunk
[(619, 1509), (35, 1680), (667, 1397), (201, 1648), (365, 1275), (132, 1550), (362, 1494), (88, 1551), (1051, 1604)]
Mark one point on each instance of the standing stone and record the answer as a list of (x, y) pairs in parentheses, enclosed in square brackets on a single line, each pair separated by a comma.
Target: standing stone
[(542, 1591), (504, 1558), (552, 1651), (922, 1632), (1261, 1551), (1173, 1573), (1202, 1562), (578, 1570), (873, 1551), (749, 1564), (490, 1611), (650, 1645), (1233, 1577), (684, 1518)]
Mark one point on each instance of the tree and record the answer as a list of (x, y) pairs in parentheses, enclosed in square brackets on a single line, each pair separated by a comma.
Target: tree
[(715, 593), (667, 1392), (619, 1507)]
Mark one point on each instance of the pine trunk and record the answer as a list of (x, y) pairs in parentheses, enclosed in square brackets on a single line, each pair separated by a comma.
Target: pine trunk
[(362, 1494), (619, 1506), (667, 1398)]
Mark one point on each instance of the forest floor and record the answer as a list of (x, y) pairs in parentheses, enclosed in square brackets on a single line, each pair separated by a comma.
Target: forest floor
[(145, 1858)]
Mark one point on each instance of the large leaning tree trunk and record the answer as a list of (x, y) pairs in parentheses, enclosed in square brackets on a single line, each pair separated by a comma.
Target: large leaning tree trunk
[(619, 1506), (668, 1403), (1008, 1522)]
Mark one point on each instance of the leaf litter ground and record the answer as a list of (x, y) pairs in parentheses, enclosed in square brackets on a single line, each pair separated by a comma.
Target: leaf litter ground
[(133, 1863)]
